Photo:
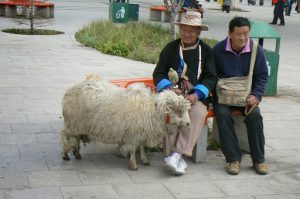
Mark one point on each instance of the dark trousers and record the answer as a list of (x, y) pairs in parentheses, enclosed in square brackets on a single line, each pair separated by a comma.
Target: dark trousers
[(278, 12), (228, 138)]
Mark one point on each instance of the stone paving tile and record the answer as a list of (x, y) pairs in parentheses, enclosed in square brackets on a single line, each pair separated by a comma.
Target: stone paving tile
[(18, 139), (284, 156), (145, 190), (31, 127), (48, 137), (21, 109), (280, 196), (290, 184), (15, 179), (1, 183), (57, 125), (8, 150), (104, 176), (110, 160), (27, 163), (35, 193), (3, 96), (284, 143), (282, 132), (52, 178), (5, 128), (39, 149), (92, 191), (151, 174), (13, 118), (57, 163), (200, 189), (240, 188), (34, 118), (234, 197), (54, 110), (1, 193)]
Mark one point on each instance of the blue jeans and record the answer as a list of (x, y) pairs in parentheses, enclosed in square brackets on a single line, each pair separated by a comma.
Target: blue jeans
[(228, 138)]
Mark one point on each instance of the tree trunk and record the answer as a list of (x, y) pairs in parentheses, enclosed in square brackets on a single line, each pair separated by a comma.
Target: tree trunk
[(31, 17), (173, 7)]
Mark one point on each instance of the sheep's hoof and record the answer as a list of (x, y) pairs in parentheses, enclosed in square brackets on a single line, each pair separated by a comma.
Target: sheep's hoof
[(66, 157), (133, 168), (78, 156)]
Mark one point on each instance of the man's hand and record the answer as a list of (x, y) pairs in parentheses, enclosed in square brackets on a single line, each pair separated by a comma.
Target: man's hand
[(192, 98), (252, 100)]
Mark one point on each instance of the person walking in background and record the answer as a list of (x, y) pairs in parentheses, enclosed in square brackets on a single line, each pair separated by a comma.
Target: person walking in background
[(297, 9), (278, 12), (233, 56), (193, 62), (288, 7), (226, 5)]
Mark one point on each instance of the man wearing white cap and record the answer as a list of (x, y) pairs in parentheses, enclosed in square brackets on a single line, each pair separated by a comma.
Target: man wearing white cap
[(193, 61)]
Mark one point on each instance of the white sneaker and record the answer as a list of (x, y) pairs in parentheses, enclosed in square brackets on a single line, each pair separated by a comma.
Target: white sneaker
[(172, 162), (181, 167)]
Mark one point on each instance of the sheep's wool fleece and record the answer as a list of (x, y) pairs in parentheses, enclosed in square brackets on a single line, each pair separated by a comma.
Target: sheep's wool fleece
[(112, 114)]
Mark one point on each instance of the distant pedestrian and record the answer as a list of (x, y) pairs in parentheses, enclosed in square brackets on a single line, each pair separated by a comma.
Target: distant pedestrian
[(297, 9), (278, 12), (288, 7), (226, 6)]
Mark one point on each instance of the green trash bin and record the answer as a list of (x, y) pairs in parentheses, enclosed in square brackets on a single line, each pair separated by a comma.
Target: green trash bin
[(262, 30), (133, 12), (123, 11)]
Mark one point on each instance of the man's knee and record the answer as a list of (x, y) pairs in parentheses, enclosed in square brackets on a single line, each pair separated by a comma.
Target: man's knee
[(222, 111)]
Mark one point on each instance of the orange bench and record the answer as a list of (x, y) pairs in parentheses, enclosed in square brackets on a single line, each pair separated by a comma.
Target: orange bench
[(199, 151), (159, 13), (14, 8)]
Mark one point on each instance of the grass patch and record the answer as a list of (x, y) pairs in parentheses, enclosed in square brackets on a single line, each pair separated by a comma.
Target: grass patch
[(134, 40), (34, 32)]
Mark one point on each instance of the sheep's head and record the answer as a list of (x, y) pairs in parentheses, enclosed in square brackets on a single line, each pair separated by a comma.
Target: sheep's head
[(174, 106)]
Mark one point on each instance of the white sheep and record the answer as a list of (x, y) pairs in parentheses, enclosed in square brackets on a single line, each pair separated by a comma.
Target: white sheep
[(97, 110)]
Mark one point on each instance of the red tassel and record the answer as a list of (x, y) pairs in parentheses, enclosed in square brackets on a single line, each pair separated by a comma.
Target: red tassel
[(168, 120)]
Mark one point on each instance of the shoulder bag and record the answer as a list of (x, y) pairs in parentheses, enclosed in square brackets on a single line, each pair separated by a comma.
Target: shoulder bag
[(233, 91)]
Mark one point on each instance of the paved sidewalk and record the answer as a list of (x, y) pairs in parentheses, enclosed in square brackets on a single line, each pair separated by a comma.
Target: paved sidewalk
[(35, 71)]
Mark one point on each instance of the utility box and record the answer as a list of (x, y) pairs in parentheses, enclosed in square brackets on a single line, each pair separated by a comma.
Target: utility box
[(122, 11), (261, 30)]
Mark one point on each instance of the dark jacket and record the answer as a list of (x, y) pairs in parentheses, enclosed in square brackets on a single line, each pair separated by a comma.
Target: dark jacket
[(170, 58), (230, 64)]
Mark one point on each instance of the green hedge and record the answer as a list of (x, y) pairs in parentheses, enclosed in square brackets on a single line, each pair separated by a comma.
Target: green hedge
[(134, 40)]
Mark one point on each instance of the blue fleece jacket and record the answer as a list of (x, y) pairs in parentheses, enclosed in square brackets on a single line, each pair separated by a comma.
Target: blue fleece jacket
[(230, 64)]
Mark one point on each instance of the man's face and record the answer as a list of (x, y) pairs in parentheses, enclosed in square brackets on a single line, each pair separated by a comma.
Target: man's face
[(239, 37), (189, 34)]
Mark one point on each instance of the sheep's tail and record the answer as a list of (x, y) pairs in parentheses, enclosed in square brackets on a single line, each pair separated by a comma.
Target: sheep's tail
[(93, 76)]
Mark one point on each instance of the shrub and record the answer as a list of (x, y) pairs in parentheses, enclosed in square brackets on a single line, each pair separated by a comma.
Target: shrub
[(134, 40)]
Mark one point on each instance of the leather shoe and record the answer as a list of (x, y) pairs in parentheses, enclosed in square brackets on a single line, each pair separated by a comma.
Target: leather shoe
[(233, 168), (261, 168), (272, 23), (282, 24)]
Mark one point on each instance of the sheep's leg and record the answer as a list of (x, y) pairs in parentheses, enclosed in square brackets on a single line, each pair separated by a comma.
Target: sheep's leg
[(132, 161), (65, 145), (122, 152), (144, 158), (77, 149)]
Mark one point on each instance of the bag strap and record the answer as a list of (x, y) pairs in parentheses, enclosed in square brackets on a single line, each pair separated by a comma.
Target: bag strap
[(252, 62)]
